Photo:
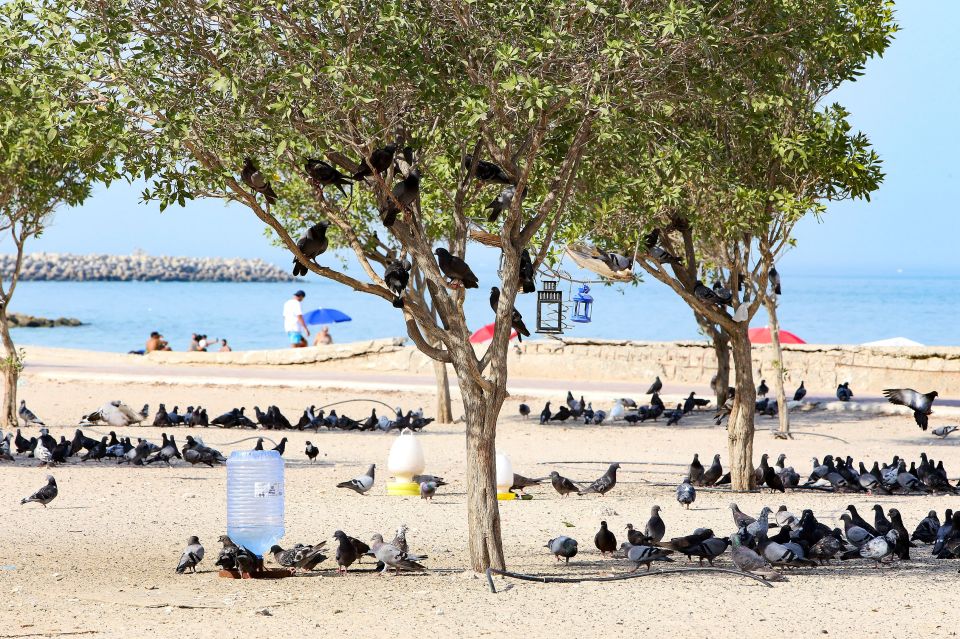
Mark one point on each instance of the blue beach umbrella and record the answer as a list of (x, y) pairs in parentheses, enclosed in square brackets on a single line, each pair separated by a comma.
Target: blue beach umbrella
[(326, 316)]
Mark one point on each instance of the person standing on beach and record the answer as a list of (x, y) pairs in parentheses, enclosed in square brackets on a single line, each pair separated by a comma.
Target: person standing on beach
[(293, 321)]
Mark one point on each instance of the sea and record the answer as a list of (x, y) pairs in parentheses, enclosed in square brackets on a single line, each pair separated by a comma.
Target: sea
[(119, 316)]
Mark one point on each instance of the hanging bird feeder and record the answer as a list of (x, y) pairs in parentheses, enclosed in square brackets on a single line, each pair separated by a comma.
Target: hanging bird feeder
[(549, 309), (582, 305)]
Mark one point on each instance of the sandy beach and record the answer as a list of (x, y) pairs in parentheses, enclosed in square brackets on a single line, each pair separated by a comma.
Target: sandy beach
[(100, 560)]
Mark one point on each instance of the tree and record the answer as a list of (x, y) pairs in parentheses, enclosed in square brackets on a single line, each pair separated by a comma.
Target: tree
[(54, 144), (725, 191), (538, 87)]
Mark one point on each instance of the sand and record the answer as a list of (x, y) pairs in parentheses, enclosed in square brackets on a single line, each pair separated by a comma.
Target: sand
[(100, 560)]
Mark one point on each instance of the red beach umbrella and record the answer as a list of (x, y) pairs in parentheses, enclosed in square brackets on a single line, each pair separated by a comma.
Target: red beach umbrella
[(762, 336), (485, 334)]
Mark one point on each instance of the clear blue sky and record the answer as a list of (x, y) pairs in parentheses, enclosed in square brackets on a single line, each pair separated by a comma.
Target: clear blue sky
[(906, 103)]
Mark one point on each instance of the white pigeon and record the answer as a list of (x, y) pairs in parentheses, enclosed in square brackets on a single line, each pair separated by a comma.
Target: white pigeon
[(617, 412), (118, 414), (42, 453), (360, 484)]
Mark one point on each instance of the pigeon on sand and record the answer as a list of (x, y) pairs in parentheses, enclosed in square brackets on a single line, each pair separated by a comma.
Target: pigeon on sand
[(644, 555), (192, 555), (562, 546), (360, 484), (393, 557), (605, 483), (562, 485), (27, 415), (45, 495), (605, 541)]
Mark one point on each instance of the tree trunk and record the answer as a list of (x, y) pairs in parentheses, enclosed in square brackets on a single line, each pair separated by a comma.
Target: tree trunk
[(444, 412), (779, 371), (11, 372), (740, 426), (721, 348), (483, 511)]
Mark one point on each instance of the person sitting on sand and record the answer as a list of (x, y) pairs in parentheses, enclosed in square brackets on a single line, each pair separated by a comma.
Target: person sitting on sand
[(293, 322), (157, 343), (323, 337), (224, 347), (194, 343)]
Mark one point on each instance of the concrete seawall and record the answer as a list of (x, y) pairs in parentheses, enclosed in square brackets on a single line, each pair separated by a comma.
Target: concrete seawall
[(822, 367)]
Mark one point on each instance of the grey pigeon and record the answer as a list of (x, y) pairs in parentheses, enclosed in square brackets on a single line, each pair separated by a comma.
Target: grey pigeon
[(708, 549), (393, 557), (748, 560), (686, 493), (562, 546), (27, 415), (253, 178), (920, 403), (655, 528), (312, 244), (227, 559), (501, 203), (696, 470), (710, 296), (192, 555), (427, 490), (827, 547), (712, 473), (347, 551), (405, 193), (45, 495), (645, 555), (520, 483), (561, 484), (300, 557), (740, 519), (877, 548), (855, 534), (943, 431), (604, 484), (360, 484)]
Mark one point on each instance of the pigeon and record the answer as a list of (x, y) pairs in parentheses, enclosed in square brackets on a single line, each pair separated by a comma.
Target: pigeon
[(405, 193), (525, 273), (880, 522), (396, 277), (827, 547), (524, 411), (746, 559), (561, 415), (710, 296), (740, 519), (763, 389), (27, 415), (708, 549), (683, 544), (228, 554), (637, 538), (192, 555), (695, 473), (324, 174), (713, 473), (605, 541), (516, 319), (686, 493), (360, 484), (455, 269), (943, 431), (501, 203), (520, 482), (605, 483), (313, 243), (673, 416), (562, 485), (774, 278), (281, 447), (427, 490), (380, 160), (655, 387), (300, 557), (347, 551), (562, 546), (920, 403), (800, 393), (926, 530), (248, 562), (393, 557), (644, 555), (486, 171), (253, 178), (902, 544), (876, 548), (856, 535), (45, 495), (655, 528), (843, 392)]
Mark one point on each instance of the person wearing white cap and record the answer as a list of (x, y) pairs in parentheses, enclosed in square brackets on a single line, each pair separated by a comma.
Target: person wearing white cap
[(293, 322)]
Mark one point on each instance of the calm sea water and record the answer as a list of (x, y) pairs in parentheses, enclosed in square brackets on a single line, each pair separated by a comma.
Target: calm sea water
[(120, 315)]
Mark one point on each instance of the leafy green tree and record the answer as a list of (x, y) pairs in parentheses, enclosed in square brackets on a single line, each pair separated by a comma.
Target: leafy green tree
[(55, 143)]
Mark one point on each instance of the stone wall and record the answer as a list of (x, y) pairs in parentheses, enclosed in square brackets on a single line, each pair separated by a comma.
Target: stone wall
[(822, 367)]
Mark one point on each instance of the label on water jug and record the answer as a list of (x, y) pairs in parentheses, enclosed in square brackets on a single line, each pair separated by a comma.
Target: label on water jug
[(267, 489)]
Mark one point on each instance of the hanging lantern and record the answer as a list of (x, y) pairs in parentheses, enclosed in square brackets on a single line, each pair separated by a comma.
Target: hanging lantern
[(549, 309), (582, 305)]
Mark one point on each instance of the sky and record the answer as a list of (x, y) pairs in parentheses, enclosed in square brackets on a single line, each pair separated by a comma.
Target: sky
[(906, 103)]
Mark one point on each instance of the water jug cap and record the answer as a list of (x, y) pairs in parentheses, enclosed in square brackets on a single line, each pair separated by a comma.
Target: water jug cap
[(255, 454)]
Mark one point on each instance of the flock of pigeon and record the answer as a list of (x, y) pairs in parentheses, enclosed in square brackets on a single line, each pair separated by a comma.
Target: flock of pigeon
[(244, 563), (802, 541)]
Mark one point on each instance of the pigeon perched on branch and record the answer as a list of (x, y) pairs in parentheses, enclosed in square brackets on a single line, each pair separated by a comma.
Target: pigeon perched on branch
[(455, 269), (516, 319), (313, 243), (324, 174), (253, 178)]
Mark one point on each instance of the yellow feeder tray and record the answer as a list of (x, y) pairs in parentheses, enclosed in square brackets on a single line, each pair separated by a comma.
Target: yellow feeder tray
[(506, 496), (403, 488)]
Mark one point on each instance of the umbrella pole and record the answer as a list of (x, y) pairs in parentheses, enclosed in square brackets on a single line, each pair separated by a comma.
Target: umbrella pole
[(770, 301)]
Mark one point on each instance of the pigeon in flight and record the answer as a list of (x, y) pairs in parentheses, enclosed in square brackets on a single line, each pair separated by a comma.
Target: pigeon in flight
[(404, 194), (920, 403), (192, 555), (774, 278), (455, 269), (800, 393), (393, 557), (605, 483), (324, 174), (360, 484), (27, 415), (396, 277), (253, 178), (486, 171), (562, 546), (380, 160), (45, 495), (516, 319), (313, 243)]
